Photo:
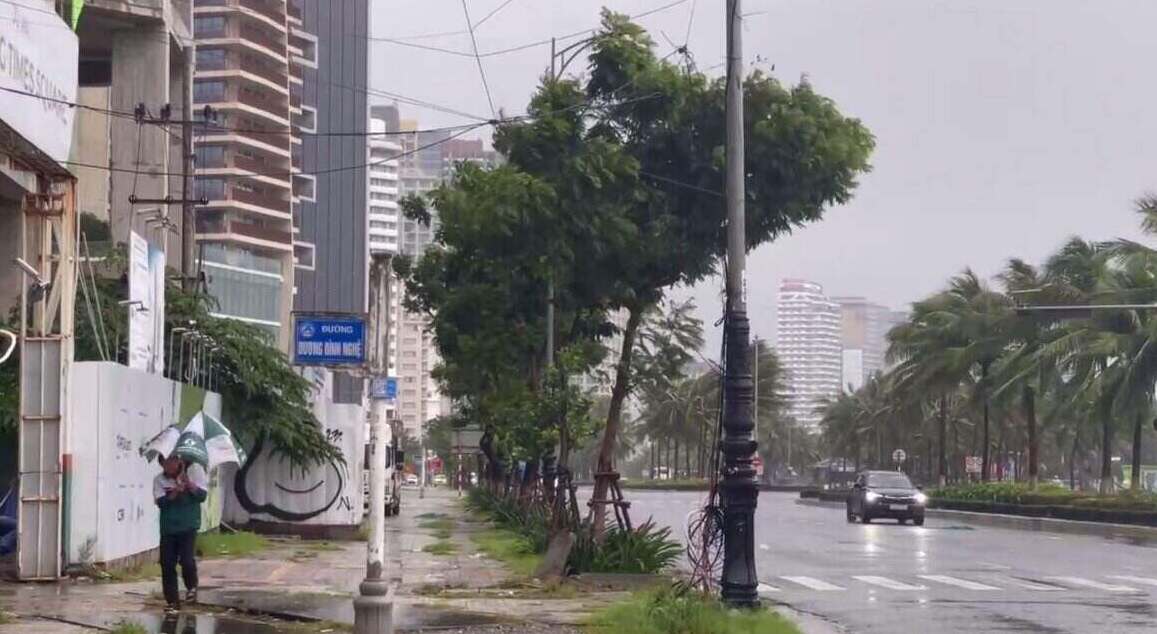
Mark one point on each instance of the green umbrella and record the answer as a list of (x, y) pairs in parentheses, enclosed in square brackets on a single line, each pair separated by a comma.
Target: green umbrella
[(204, 441)]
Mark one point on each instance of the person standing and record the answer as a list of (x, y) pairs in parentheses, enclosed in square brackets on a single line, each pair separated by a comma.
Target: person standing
[(179, 491)]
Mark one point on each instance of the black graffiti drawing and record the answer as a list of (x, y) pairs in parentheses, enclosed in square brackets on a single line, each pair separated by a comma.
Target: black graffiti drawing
[(334, 436), (345, 503), (285, 515)]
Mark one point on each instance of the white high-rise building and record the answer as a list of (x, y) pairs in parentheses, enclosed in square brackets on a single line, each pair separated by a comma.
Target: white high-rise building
[(808, 344), (864, 335), (384, 218)]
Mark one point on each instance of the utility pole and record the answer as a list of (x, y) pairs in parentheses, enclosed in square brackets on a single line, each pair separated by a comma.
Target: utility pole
[(188, 223), (373, 611), (738, 490)]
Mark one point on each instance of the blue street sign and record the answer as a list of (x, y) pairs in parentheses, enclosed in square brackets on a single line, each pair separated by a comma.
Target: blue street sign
[(329, 339), (385, 388)]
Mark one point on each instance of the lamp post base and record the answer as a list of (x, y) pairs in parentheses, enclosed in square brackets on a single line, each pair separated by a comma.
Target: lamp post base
[(373, 610)]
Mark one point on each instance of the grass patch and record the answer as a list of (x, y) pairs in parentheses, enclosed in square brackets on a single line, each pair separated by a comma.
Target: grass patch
[(437, 524), (128, 627), (685, 484), (680, 611), (142, 572), (7, 618), (239, 544), (442, 533), (508, 547), (432, 516), (441, 548), (322, 547)]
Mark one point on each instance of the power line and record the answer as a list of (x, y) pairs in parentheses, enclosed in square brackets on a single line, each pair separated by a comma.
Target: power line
[(481, 71), (491, 14), (678, 183), (220, 128), (518, 47)]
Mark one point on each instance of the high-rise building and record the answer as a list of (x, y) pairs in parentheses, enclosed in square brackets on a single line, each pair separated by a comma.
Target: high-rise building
[(383, 214), (808, 345), (249, 72), (864, 330), (599, 381)]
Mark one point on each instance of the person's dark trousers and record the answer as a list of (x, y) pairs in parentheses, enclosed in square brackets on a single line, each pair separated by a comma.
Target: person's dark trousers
[(178, 548)]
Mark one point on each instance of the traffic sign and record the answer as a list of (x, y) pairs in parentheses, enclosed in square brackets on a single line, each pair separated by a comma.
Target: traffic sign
[(899, 455), (385, 388), (329, 339), (972, 464)]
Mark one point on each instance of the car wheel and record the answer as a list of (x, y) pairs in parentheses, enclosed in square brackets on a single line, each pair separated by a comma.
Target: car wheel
[(864, 519), (902, 520), (918, 521), (851, 516)]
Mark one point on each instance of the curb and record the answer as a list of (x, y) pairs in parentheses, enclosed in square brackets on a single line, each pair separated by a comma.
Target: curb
[(1020, 522)]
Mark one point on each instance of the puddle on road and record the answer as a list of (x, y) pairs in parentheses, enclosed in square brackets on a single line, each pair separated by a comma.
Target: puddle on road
[(215, 624)]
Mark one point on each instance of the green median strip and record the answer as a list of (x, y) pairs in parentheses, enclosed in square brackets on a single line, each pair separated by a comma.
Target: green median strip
[(675, 611), (508, 547)]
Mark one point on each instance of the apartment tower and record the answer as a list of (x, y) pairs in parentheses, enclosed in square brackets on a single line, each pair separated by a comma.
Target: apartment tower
[(808, 328)]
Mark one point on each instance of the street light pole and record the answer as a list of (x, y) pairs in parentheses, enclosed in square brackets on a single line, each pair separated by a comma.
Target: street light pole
[(373, 611), (738, 490)]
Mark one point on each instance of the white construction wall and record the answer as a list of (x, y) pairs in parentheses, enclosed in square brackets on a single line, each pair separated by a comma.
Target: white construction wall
[(111, 512), (270, 489)]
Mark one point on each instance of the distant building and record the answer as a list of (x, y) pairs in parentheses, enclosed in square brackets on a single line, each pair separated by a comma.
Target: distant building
[(599, 381), (808, 343), (864, 330)]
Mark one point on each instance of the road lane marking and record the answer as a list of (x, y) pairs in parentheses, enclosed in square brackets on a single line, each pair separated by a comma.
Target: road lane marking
[(763, 588), (1028, 585), (885, 582), (1144, 581), (813, 583), (1095, 585), (959, 583)]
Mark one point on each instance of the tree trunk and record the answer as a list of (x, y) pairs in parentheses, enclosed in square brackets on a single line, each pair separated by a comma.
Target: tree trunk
[(1073, 457), (1135, 475), (984, 453), (606, 461), (654, 466), (687, 460), (1106, 455), (675, 462), (942, 465), (1033, 441)]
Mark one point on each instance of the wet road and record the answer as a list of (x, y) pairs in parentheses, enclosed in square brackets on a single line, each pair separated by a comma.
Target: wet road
[(949, 576)]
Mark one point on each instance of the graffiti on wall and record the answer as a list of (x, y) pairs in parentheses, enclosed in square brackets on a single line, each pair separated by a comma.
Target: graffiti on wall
[(303, 494)]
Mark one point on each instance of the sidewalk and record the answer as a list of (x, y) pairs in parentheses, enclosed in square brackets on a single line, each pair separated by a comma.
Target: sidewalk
[(316, 581)]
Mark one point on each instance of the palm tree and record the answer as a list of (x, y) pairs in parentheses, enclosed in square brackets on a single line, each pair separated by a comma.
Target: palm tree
[(1081, 273), (954, 333)]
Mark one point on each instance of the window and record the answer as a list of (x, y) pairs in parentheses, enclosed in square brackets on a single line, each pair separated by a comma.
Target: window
[(381, 224), (210, 156), (209, 26), (303, 254), (382, 182), (210, 188), (210, 58), (205, 91)]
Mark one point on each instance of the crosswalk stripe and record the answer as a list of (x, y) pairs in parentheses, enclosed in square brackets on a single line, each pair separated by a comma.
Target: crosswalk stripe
[(1144, 581), (885, 582), (763, 587), (1096, 585), (813, 583), (959, 583)]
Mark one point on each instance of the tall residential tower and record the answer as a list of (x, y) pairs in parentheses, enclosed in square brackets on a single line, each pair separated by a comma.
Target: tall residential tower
[(808, 345)]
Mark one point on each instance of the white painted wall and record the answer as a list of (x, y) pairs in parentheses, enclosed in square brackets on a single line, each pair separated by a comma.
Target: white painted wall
[(330, 495), (115, 410)]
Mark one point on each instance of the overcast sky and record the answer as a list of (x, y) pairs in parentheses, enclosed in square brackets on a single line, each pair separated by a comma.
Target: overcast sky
[(1002, 126)]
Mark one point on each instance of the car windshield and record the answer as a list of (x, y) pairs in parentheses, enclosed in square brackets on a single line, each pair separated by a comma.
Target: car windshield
[(889, 481)]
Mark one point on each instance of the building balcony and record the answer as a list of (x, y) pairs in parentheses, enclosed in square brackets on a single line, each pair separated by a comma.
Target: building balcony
[(261, 38), (244, 232)]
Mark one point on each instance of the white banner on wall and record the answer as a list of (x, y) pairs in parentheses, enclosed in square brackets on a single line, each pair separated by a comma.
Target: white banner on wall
[(146, 305), (38, 53), (141, 335)]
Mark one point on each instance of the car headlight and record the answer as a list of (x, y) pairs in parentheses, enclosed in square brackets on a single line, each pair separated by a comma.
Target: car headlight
[(871, 496), (921, 498)]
